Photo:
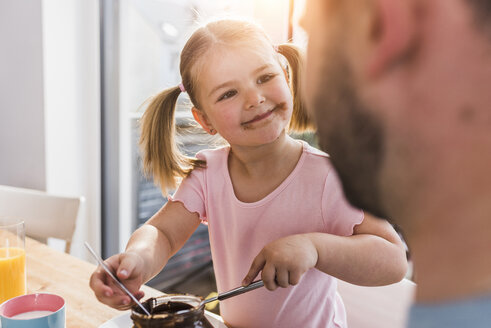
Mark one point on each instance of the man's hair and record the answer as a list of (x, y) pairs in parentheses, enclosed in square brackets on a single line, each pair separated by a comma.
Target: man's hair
[(482, 12)]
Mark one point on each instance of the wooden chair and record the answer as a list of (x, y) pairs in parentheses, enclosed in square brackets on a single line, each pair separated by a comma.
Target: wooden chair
[(45, 215)]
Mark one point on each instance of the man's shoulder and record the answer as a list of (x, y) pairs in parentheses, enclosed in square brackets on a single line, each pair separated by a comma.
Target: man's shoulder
[(472, 312)]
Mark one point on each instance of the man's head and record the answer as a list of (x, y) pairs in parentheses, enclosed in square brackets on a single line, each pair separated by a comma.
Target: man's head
[(482, 12), (399, 93)]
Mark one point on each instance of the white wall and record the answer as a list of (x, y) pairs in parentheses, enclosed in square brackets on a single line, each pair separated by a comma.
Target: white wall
[(22, 146), (50, 103), (72, 110), (273, 17)]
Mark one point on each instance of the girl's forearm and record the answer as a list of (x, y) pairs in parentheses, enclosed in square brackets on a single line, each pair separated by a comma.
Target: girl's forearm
[(363, 259), (153, 246)]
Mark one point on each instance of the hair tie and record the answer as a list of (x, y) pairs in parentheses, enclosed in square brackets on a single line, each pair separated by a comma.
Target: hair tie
[(181, 86)]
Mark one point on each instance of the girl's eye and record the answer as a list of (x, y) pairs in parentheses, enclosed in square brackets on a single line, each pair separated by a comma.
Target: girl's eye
[(227, 95), (265, 78)]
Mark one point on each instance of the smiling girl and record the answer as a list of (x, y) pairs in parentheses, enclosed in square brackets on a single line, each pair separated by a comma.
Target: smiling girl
[(273, 204)]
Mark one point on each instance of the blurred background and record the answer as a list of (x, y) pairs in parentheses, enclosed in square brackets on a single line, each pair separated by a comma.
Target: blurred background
[(74, 75)]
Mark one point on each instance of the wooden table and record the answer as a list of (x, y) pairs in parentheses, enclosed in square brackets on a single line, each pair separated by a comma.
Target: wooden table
[(51, 271)]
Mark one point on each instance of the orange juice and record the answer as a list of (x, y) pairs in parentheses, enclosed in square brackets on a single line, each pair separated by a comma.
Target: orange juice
[(12, 272)]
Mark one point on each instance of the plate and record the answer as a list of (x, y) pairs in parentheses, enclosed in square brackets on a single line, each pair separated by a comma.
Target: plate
[(124, 321)]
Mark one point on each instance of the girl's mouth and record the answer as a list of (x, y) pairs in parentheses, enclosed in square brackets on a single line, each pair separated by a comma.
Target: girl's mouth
[(262, 116)]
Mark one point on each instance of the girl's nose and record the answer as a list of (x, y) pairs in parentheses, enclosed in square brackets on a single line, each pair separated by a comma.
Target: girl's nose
[(254, 98)]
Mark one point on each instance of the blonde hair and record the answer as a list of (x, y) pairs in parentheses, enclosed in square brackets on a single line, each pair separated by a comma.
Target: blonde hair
[(161, 156)]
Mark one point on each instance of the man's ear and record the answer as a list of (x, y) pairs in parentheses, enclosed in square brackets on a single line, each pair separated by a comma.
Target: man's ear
[(393, 34), (202, 119)]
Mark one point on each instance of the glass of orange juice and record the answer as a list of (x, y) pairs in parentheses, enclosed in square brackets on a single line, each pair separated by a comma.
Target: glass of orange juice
[(12, 258)]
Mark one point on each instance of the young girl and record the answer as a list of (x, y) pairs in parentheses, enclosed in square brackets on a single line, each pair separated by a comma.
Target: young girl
[(273, 204)]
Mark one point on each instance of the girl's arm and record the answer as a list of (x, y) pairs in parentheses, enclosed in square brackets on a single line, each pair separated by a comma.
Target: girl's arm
[(147, 252), (162, 236), (374, 255)]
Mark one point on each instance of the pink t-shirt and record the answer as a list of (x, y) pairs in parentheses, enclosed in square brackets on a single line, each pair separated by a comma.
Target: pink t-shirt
[(310, 199)]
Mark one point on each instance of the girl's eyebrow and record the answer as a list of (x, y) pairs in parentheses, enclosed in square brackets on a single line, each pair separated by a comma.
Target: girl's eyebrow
[(262, 68), (223, 85)]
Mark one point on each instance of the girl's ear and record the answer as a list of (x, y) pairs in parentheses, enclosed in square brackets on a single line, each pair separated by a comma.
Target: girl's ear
[(202, 119), (285, 71)]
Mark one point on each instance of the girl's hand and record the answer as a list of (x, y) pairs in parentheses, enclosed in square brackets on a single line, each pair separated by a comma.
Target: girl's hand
[(128, 267), (283, 262)]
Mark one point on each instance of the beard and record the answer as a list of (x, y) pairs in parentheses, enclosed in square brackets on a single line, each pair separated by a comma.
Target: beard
[(351, 134)]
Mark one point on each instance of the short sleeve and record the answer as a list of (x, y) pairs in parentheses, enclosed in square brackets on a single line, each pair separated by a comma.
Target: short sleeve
[(339, 216), (191, 193)]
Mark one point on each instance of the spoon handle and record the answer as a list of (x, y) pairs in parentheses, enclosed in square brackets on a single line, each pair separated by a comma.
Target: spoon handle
[(236, 291)]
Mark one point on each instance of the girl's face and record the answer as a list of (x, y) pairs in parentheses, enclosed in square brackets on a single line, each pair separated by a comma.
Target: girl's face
[(244, 96)]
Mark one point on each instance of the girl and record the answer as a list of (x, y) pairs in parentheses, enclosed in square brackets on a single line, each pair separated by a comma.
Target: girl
[(268, 199)]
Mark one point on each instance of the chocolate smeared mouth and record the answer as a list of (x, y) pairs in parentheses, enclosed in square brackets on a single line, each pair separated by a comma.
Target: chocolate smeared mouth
[(263, 116)]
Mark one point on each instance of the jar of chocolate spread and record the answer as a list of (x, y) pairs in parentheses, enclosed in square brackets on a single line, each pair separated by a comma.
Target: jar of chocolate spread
[(174, 310)]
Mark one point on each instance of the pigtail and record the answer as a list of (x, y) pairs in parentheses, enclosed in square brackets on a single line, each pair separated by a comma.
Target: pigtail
[(300, 121), (161, 156)]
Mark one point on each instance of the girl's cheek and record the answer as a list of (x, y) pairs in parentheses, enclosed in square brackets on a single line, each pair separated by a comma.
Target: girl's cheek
[(229, 112)]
